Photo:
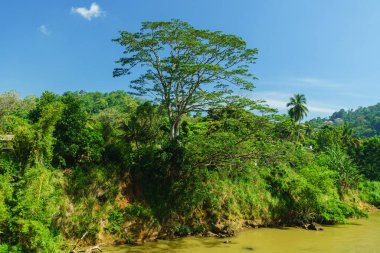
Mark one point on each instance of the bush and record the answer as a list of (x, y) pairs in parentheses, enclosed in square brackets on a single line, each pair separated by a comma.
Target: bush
[(128, 222), (371, 192), (38, 203)]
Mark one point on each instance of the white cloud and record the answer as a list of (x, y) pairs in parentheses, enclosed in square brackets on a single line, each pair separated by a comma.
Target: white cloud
[(315, 82), (280, 99), (306, 82), (44, 30), (316, 108), (93, 12), (281, 105)]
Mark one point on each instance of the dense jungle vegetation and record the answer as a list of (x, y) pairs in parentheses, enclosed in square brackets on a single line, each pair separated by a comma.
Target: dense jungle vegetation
[(364, 120), (110, 167)]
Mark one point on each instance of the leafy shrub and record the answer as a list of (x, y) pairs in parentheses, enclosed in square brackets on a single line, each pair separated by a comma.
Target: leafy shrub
[(128, 222), (371, 192), (38, 203)]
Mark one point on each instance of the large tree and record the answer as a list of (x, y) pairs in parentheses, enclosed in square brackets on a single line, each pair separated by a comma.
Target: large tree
[(183, 68)]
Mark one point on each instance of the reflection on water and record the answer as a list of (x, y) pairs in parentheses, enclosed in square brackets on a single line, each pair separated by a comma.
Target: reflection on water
[(360, 236)]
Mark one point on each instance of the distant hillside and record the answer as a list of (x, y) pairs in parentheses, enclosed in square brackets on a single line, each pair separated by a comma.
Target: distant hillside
[(364, 120)]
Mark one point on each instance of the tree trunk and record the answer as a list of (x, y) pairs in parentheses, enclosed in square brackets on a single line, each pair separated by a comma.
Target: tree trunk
[(174, 128), (298, 131), (172, 132)]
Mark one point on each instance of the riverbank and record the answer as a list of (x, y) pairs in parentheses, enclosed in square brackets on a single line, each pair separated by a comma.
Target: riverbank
[(359, 235), (226, 235)]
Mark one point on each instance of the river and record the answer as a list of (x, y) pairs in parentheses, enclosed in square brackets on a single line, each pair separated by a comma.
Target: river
[(359, 236)]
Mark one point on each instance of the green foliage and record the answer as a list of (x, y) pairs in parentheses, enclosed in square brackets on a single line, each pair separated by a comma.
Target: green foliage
[(23, 144), (77, 142), (145, 125), (116, 222), (328, 137), (338, 211), (125, 222), (33, 144), (369, 158), (90, 195), (95, 102), (12, 104), (103, 164), (364, 120), (229, 164), (45, 99), (29, 220), (185, 69), (6, 196), (371, 192), (347, 175)]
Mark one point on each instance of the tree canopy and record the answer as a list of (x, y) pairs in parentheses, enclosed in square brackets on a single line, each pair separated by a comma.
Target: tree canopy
[(183, 68)]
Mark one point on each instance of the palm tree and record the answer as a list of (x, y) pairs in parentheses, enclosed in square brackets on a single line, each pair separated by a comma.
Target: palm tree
[(297, 109)]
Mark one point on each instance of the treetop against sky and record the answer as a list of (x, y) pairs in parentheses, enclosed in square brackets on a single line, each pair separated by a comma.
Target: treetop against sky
[(327, 50)]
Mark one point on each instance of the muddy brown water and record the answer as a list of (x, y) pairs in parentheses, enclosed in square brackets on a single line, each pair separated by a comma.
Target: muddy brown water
[(359, 236)]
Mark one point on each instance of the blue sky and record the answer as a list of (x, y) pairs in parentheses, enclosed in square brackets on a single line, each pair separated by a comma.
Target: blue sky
[(327, 49)]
